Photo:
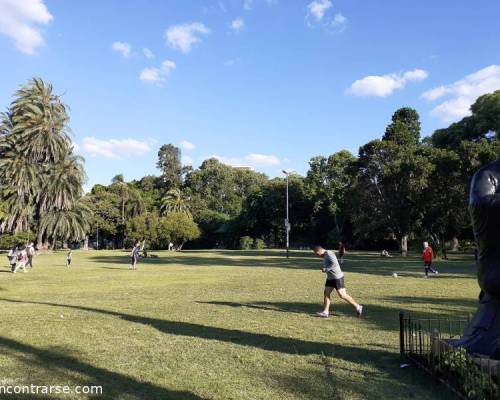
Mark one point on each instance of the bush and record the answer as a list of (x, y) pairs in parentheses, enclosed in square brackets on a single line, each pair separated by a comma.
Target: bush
[(259, 244), (246, 243), (8, 241)]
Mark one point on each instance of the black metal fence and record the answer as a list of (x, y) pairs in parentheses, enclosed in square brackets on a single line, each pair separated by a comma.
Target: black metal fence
[(426, 342)]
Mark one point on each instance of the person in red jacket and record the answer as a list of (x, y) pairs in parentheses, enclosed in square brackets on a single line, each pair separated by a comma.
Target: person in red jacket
[(428, 256)]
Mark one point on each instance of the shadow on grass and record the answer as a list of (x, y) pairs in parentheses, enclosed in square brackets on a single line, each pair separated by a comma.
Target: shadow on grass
[(258, 340), (354, 262), (384, 360), (384, 317), (114, 385)]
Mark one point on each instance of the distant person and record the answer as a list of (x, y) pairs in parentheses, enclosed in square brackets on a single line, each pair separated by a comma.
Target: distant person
[(31, 253), (69, 258), (385, 253), (428, 256), (12, 256), (134, 256), (341, 252), (170, 246), (22, 259), (334, 280)]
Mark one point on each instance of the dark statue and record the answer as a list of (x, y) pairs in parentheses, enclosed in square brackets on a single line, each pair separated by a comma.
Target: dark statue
[(482, 336)]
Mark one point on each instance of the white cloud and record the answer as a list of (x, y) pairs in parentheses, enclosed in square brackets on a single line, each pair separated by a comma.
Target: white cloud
[(114, 148), (262, 160), (122, 47), (147, 53), (318, 8), (463, 93), (250, 160), (385, 85), (21, 20), (339, 22), (237, 24), (185, 145), (183, 37), (157, 75), (319, 13)]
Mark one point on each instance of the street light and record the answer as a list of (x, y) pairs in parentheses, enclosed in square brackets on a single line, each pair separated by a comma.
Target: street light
[(287, 220)]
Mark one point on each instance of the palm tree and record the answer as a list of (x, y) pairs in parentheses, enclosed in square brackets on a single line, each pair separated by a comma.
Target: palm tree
[(66, 224), (40, 120), (130, 199), (175, 202), (39, 176), (63, 186)]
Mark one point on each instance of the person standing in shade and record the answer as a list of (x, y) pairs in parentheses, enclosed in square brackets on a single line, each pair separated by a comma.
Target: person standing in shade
[(134, 256), (341, 252), (427, 256), (69, 258), (334, 280)]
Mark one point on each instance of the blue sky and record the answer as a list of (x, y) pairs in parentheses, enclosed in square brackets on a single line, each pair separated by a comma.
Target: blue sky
[(265, 83)]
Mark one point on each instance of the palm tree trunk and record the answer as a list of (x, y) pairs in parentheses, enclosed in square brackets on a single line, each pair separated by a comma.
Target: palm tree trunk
[(39, 239)]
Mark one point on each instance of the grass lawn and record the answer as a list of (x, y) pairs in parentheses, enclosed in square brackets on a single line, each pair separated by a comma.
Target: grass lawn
[(220, 325)]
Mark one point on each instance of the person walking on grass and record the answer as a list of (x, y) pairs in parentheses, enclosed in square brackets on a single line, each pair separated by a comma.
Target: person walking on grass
[(334, 280), (31, 253), (427, 256), (22, 259), (134, 256), (12, 256), (69, 258)]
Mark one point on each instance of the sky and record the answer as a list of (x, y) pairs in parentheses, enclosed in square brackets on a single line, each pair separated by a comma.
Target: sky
[(261, 83)]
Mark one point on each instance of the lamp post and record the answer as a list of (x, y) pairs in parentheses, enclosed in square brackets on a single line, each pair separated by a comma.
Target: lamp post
[(287, 220)]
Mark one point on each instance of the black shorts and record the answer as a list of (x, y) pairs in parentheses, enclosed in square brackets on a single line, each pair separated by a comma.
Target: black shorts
[(335, 283), (428, 264)]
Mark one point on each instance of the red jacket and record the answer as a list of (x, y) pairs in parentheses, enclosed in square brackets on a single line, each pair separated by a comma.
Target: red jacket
[(427, 254)]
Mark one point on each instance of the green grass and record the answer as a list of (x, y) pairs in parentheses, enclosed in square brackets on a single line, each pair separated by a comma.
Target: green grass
[(221, 325)]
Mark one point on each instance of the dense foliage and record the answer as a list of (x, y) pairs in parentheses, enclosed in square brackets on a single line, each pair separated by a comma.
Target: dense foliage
[(396, 192), (40, 177)]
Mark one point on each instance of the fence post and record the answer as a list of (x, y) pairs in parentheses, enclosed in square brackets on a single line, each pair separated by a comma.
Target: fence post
[(401, 335)]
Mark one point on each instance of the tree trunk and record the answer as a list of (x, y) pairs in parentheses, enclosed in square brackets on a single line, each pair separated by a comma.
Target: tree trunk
[(404, 245), (39, 239), (454, 244)]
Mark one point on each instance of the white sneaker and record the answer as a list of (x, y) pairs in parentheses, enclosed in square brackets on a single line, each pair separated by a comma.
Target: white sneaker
[(322, 314), (359, 310), (436, 272)]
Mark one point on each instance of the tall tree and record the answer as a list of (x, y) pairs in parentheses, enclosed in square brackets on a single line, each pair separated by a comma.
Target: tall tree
[(39, 173), (404, 129), (388, 191), (169, 163), (329, 181)]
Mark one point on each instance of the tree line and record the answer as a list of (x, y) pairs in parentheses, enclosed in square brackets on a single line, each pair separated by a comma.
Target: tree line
[(398, 189)]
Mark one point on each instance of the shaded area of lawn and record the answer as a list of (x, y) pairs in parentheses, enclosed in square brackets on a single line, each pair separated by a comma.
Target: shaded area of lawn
[(458, 266), (115, 385)]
